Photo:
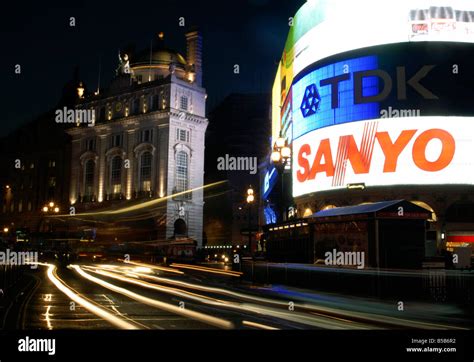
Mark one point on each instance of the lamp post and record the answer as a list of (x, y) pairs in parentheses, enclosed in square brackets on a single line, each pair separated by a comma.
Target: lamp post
[(281, 154), (250, 200), (50, 208)]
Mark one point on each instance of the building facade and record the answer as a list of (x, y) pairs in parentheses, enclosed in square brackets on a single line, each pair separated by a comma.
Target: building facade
[(146, 142)]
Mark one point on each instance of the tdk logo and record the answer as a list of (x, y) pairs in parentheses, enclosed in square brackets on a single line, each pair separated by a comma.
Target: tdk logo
[(311, 101)]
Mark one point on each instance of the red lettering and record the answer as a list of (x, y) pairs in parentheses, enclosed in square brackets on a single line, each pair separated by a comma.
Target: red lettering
[(360, 163), (447, 152), (392, 150), (303, 163), (328, 166)]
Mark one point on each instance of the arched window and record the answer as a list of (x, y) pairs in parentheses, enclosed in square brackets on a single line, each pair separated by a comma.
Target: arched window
[(181, 171), (116, 175), (89, 178), (145, 171)]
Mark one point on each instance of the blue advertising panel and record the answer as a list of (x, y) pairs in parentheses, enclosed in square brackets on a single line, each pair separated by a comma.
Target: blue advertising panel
[(269, 181), (325, 96)]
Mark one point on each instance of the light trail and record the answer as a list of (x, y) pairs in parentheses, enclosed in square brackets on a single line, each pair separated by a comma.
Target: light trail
[(160, 288), (358, 318), (156, 267), (100, 312), (323, 322), (47, 317), (217, 322), (259, 325), (140, 206), (207, 270)]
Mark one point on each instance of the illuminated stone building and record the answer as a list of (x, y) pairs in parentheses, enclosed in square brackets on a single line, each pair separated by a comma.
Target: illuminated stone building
[(146, 141)]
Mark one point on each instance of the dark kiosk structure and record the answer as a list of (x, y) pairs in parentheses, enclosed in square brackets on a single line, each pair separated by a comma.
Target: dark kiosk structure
[(391, 234)]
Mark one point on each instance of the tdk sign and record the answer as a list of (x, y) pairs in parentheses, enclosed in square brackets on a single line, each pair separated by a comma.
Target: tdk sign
[(311, 101), (350, 91)]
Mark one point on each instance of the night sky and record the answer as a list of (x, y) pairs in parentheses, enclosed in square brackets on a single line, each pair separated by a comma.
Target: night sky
[(38, 37)]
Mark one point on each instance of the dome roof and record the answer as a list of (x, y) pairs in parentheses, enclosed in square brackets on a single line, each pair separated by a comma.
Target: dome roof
[(162, 56)]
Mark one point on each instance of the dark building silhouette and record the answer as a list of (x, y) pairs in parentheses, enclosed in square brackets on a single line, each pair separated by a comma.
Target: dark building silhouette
[(238, 127)]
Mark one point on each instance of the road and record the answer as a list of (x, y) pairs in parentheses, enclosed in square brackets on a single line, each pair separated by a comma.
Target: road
[(134, 295)]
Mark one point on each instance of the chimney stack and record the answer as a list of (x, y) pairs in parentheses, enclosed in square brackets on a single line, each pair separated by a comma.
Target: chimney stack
[(194, 54)]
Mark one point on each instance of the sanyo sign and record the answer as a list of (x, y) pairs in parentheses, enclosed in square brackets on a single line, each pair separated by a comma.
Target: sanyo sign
[(418, 150)]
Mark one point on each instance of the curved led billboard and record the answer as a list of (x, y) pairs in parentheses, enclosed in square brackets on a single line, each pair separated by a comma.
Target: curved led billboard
[(325, 28), (411, 150), (397, 114)]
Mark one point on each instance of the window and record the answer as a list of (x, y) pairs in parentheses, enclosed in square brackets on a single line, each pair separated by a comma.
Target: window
[(182, 135), (146, 135), (145, 171), (52, 181), (181, 171), (183, 104), (12, 206), (29, 205), (90, 144), (139, 78), (32, 165), (154, 102), (116, 174), (20, 206), (89, 178), (102, 114), (52, 164), (136, 106), (116, 140)]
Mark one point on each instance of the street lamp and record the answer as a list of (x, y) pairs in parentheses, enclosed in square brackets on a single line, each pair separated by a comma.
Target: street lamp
[(280, 156), (50, 207), (250, 200)]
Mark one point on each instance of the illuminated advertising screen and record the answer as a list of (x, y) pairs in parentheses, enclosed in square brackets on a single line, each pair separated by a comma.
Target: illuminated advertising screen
[(326, 96), (405, 151), (324, 28), (269, 181), (402, 80)]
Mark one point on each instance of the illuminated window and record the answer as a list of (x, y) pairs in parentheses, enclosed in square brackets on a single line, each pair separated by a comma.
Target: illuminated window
[(29, 206), (20, 206), (116, 174), (89, 178), (145, 171), (183, 104), (182, 135), (181, 171)]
